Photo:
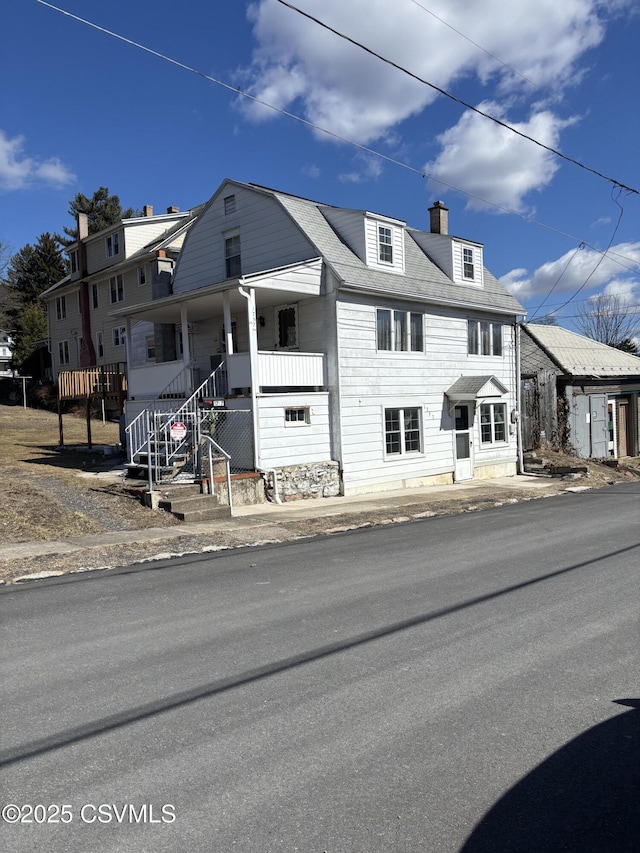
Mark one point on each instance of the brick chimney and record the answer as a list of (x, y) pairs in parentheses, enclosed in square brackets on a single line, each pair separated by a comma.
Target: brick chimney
[(147, 210), (439, 218), (173, 210), (83, 225)]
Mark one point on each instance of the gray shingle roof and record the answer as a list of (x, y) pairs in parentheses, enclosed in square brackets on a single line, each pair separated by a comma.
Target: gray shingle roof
[(423, 279), (580, 356)]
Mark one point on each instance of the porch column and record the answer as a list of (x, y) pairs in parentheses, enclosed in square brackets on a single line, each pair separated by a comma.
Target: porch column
[(250, 296), (226, 311), (184, 334)]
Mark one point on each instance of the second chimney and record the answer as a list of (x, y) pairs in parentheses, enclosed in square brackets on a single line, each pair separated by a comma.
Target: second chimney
[(439, 218), (173, 210), (147, 210)]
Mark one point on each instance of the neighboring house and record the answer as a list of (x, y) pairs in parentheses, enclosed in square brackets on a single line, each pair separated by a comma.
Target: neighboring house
[(578, 392), (6, 350), (363, 354), (130, 262)]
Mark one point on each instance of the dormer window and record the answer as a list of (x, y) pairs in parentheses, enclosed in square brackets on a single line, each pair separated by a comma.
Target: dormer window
[(112, 245), (468, 268), (385, 245)]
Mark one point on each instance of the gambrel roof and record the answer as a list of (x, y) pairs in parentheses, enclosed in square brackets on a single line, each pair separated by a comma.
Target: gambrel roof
[(576, 355), (422, 279)]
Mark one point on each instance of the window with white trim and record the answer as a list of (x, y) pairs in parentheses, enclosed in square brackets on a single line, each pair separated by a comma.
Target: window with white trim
[(150, 343), (73, 259), (484, 338), (400, 331), (233, 265), (297, 416), (229, 204), (61, 307), (116, 287), (94, 294), (119, 335), (402, 431), (100, 344), (112, 245), (286, 326), (63, 352), (493, 423), (142, 275), (468, 265), (385, 244)]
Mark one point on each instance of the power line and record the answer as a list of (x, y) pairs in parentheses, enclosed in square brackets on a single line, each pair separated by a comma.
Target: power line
[(331, 133), (456, 99)]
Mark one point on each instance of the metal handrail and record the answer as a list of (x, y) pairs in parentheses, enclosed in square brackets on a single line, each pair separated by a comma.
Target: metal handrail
[(227, 459)]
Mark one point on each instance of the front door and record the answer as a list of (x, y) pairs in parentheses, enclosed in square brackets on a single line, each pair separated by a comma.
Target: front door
[(463, 421)]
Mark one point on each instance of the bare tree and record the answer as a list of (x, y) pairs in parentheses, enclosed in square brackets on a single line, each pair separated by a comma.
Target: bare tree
[(608, 318)]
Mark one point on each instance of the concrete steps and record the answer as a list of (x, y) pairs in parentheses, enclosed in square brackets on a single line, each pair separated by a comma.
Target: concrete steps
[(188, 504)]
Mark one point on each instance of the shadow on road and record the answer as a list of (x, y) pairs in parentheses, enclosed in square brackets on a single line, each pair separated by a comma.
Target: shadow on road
[(585, 798)]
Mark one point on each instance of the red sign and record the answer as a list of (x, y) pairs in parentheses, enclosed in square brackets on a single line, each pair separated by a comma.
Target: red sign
[(178, 431)]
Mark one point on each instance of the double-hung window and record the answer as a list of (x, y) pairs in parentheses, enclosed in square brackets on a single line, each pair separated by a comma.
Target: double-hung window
[(493, 423), (484, 338), (119, 336), (73, 259), (232, 261), (400, 331), (142, 276), (402, 431), (112, 245), (63, 352), (468, 267), (385, 244), (94, 295), (61, 308), (116, 286), (100, 344)]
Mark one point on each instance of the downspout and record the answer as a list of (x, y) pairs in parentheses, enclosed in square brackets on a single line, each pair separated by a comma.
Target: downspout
[(255, 383)]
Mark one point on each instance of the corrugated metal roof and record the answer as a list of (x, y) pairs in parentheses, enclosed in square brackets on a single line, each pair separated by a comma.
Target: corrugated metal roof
[(580, 356)]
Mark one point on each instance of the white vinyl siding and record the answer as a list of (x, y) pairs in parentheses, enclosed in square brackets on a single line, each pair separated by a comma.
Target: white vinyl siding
[(281, 445)]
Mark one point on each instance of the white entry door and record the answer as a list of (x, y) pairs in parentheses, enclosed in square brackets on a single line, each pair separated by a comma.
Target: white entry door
[(463, 418)]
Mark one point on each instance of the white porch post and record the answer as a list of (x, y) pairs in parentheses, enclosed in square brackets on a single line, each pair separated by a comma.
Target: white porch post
[(252, 323), (226, 310), (184, 334)]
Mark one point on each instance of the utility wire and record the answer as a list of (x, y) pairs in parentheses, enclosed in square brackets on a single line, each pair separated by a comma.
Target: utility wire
[(456, 99), (556, 282), (331, 133)]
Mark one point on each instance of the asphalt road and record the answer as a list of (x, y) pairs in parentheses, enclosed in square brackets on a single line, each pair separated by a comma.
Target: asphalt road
[(467, 682)]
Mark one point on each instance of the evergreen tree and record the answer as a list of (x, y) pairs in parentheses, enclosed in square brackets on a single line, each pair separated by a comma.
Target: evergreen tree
[(102, 210), (31, 271)]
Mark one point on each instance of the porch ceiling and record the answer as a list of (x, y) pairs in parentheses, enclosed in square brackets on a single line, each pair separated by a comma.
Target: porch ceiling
[(274, 287)]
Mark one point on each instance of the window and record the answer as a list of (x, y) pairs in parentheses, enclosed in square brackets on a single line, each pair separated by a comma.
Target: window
[(151, 348), (61, 307), (402, 331), (112, 243), (94, 295), (287, 327), (116, 287), (100, 344), (493, 423), (63, 352), (229, 205), (232, 256), (73, 258), (468, 269), (119, 335), (142, 276), (484, 338), (385, 244), (402, 432), (299, 416)]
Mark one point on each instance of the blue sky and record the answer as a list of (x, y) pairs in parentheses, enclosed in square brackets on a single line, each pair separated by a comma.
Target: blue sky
[(81, 109)]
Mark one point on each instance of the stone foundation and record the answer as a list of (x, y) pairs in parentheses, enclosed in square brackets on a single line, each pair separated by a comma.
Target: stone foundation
[(311, 480)]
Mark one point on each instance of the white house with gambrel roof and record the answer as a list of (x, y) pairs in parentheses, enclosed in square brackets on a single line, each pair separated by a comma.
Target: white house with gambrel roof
[(364, 353)]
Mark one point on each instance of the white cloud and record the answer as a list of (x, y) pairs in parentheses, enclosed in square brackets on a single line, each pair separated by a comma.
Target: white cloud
[(562, 278), (18, 170), (495, 164), (337, 85)]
